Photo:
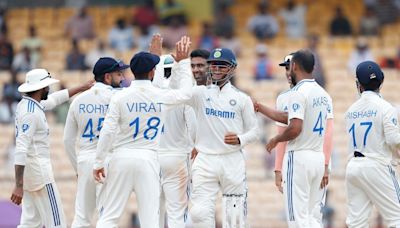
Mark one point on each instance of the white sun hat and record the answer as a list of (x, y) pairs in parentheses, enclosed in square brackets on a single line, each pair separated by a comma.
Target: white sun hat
[(36, 79)]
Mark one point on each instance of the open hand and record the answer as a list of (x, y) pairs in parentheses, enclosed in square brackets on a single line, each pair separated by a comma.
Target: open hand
[(155, 46), (182, 49)]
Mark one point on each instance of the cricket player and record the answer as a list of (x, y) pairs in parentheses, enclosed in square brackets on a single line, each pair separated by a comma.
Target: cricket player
[(34, 180), (227, 122), (176, 143), (82, 128), (198, 62), (138, 111), (372, 126), (282, 102), (309, 108)]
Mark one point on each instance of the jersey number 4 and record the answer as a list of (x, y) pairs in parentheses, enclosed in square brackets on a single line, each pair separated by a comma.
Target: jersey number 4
[(352, 130), (318, 125), (88, 132)]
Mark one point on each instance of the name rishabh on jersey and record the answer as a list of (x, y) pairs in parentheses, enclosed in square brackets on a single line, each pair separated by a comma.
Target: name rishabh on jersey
[(372, 125), (311, 103)]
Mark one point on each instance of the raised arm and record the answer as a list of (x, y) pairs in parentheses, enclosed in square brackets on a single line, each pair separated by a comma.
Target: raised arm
[(62, 96)]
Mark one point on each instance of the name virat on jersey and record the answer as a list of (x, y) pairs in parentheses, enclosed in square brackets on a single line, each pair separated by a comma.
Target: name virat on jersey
[(144, 107)]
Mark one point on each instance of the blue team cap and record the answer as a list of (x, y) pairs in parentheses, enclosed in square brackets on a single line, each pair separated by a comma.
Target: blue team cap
[(143, 62), (222, 55), (368, 71), (108, 65)]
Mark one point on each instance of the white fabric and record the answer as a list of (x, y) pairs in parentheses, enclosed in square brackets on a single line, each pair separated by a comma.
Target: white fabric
[(368, 183), (210, 173), (32, 139), (42, 208), (36, 79), (263, 21), (84, 121), (131, 170), (174, 189), (219, 111), (374, 123), (139, 112), (312, 104), (303, 197), (282, 102), (179, 129), (86, 194)]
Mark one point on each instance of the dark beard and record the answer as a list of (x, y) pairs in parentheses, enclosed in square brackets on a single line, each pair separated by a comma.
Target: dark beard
[(115, 85), (45, 94), (293, 78)]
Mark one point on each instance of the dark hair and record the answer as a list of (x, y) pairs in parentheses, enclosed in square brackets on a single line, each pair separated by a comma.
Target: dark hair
[(305, 59), (373, 85), (142, 76), (99, 77), (202, 53)]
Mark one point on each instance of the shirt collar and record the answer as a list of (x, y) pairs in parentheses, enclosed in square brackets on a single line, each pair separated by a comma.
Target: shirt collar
[(34, 101), (370, 94), (101, 85), (141, 83)]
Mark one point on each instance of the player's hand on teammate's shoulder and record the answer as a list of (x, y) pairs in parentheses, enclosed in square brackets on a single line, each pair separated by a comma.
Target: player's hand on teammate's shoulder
[(182, 49), (88, 85), (256, 105), (231, 138), (17, 195), (156, 44), (278, 180)]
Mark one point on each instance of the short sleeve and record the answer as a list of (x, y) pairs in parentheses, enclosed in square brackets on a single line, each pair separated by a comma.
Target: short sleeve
[(297, 104)]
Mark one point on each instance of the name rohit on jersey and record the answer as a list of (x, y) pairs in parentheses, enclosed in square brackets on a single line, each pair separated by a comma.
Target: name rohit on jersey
[(218, 113), (93, 108), (365, 114), (144, 107)]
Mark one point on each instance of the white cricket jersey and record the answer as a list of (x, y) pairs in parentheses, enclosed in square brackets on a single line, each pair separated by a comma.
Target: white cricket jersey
[(372, 127), (32, 139), (282, 102), (139, 111), (219, 111), (311, 103), (179, 129), (84, 122)]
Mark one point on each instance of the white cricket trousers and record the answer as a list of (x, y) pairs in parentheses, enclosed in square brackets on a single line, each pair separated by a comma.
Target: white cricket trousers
[(131, 170), (174, 189), (85, 203), (368, 183), (42, 208), (303, 197), (210, 173)]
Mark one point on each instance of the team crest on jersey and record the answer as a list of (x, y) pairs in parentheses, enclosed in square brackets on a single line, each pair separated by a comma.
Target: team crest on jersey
[(208, 99), (295, 107), (232, 102), (394, 121), (25, 127)]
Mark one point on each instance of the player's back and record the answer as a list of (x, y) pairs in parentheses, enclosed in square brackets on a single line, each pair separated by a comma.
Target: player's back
[(365, 125), (141, 108), (311, 101), (89, 110)]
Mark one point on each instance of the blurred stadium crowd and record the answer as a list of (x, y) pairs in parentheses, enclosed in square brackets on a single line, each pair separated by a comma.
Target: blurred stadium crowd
[(67, 40)]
